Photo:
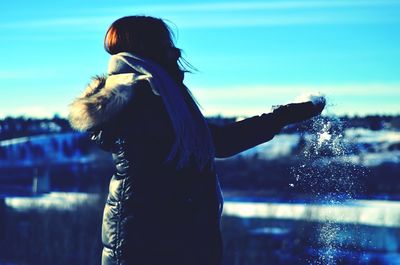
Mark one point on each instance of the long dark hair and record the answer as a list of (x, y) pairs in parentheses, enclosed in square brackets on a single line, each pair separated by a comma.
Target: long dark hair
[(151, 38)]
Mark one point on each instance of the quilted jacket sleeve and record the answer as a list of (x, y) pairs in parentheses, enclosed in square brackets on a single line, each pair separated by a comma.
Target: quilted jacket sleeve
[(231, 139), (106, 135), (103, 138)]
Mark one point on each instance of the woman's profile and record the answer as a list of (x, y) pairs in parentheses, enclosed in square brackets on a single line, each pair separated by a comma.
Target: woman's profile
[(164, 203)]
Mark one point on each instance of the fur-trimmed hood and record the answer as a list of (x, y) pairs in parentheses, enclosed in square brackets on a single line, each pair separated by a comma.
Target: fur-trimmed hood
[(102, 98), (106, 96)]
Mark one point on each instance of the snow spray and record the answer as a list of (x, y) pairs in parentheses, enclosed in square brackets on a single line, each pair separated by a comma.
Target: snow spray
[(325, 174)]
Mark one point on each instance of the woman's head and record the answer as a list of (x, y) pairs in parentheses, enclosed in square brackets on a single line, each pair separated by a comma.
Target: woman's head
[(146, 37)]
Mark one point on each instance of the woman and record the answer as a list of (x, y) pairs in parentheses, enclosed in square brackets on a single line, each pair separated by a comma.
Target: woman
[(164, 203)]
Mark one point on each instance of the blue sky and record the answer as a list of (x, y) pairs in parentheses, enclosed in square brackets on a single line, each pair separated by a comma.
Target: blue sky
[(250, 54)]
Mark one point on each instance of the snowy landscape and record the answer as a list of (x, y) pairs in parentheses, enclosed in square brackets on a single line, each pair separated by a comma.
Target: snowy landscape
[(331, 180)]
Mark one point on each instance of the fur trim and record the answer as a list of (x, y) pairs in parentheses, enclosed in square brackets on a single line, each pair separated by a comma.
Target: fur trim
[(102, 99)]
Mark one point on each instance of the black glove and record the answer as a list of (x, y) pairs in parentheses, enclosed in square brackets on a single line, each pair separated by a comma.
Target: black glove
[(297, 112)]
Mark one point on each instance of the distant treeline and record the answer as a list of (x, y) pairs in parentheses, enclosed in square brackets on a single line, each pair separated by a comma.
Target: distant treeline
[(371, 122), (21, 126)]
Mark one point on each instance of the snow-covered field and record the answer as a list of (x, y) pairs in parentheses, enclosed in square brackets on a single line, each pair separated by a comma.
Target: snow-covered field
[(359, 146), (364, 212), (55, 200), (361, 212)]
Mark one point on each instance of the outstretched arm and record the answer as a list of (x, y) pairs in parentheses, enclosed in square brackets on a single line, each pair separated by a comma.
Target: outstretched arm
[(236, 137)]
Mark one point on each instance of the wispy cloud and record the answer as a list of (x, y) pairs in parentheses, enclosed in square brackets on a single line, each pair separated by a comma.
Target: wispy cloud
[(247, 92), (60, 22), (345, 98), (99, 23), (251, 5), (32, 111), (27, 74), (284, 20), (197, 15), (357, 98)]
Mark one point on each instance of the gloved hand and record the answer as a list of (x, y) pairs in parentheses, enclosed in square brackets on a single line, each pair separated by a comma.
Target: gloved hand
[(297, 112)]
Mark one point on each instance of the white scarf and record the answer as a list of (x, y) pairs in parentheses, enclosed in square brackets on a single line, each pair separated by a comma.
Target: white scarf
[(193, 137)]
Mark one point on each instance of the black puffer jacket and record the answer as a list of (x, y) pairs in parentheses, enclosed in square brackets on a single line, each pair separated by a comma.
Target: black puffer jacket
[(156, 214)]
